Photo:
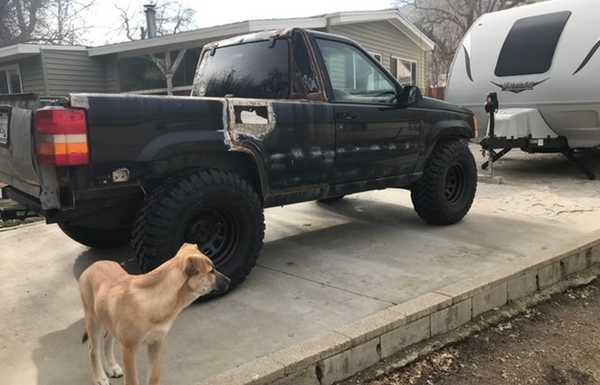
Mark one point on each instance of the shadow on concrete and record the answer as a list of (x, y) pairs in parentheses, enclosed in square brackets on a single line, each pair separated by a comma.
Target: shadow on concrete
[(124, 256), (61, 358), (375, 212), (374, 232)]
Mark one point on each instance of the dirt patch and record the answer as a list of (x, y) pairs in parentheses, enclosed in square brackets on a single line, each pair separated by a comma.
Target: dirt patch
[(555, 343)]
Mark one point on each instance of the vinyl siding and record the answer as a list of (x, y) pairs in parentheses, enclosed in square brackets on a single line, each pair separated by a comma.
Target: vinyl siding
[(383, 38), (72, 71)]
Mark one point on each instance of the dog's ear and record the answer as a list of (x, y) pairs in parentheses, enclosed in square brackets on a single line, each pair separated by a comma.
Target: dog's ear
[(187, 248), (191, 268)]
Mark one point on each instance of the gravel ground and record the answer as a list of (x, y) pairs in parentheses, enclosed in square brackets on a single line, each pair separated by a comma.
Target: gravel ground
[(554, 343)]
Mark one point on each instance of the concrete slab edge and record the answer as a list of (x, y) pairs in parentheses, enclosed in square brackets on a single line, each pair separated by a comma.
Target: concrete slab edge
[(21, 226), (363, 343)]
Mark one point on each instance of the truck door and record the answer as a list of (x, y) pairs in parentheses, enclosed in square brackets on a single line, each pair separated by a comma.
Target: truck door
[(295, 139), (375, 137)]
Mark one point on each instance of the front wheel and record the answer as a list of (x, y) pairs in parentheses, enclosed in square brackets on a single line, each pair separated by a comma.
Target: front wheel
[(218, 211), (97, 238), (445, 192)]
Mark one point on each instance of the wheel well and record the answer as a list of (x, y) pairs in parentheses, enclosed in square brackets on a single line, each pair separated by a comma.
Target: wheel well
[(240, 163), (449, 136)]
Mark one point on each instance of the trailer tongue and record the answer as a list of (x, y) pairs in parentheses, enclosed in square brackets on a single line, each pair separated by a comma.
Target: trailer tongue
[(525, 129)]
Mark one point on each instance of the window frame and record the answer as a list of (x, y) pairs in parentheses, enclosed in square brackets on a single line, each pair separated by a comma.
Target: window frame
[(328, 85), (8, 67), (411, 61)]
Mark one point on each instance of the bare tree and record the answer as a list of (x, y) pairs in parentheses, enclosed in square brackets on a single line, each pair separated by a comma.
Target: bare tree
[(18, 20), (446, 22), (171, 17), (62, 21), (42, 21)]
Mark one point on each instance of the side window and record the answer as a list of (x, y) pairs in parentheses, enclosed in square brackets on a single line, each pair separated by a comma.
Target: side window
[(353, 75)]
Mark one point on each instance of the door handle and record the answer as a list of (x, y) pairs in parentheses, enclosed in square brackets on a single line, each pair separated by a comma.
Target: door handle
[(346, 116)]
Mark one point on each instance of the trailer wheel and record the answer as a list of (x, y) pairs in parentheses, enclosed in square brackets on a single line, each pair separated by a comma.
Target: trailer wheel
[(445, 192), (218, 211), (97, 238)]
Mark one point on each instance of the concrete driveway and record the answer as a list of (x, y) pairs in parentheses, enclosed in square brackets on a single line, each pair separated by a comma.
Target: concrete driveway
[(322, 267)]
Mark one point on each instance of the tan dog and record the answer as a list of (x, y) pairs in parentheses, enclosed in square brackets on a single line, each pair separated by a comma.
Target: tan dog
[(140, 309)]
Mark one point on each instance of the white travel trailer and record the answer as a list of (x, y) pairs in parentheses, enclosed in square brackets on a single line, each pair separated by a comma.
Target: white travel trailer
[(543, 60)]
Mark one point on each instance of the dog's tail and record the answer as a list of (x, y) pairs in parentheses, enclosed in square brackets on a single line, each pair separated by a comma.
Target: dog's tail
[(84, 338)]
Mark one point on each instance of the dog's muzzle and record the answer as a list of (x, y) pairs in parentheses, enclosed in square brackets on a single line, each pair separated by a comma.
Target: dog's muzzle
[(222, 284)]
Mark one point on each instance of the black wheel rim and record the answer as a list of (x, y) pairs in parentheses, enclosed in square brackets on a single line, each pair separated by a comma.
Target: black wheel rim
[(216, 232), (454, 186)]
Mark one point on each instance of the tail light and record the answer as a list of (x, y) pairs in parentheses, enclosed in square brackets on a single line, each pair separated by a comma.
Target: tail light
[(62, 139)]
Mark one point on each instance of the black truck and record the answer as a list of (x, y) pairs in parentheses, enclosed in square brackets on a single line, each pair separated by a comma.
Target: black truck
[(274, 118)]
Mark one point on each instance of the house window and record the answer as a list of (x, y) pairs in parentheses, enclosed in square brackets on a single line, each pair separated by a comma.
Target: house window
[(10, 80), (140, 73), (184, 76), (377, 57), (404, 70)]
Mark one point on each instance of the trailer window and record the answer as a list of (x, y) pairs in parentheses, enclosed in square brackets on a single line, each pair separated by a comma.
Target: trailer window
[(250, 70), (530, 45)]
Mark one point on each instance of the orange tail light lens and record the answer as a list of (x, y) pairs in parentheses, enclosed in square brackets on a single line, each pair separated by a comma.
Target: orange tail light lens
[(62, 139)]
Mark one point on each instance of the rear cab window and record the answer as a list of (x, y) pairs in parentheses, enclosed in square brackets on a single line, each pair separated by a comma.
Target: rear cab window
[(250, 70), (531, 44)]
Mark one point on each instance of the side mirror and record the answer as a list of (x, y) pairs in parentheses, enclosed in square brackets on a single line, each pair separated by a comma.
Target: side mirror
[(409, 95)]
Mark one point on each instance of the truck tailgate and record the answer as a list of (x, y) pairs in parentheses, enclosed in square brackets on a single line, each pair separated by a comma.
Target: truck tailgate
[(17, 167)]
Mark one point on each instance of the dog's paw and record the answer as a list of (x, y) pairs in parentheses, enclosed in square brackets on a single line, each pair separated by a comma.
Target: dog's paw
[(115, 372), (102, 381)]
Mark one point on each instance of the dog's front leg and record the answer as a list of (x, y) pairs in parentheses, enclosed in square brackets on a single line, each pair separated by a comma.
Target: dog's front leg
[(95, 349), (111, 367), (129, 361), (154, 350)]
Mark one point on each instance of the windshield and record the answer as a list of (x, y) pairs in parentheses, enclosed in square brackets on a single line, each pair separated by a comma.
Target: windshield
[(251, 70)]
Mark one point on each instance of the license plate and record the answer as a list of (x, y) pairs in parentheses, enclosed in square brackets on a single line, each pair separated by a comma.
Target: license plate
[(3, 127)]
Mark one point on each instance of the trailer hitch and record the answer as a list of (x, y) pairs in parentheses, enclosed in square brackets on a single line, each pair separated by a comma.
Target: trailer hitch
[(491, 143)]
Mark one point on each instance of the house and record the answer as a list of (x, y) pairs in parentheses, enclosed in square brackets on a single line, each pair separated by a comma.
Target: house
[(166, 64)]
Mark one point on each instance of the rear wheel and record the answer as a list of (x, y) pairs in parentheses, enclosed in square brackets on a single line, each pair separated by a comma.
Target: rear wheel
[(218, 211), (445, 192), (97, 238)]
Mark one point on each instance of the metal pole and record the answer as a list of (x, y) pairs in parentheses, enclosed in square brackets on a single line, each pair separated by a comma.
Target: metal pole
[(491, 151), (491, 106)]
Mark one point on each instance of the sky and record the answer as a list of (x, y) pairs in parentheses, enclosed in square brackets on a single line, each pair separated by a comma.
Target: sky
[(103, 19)]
